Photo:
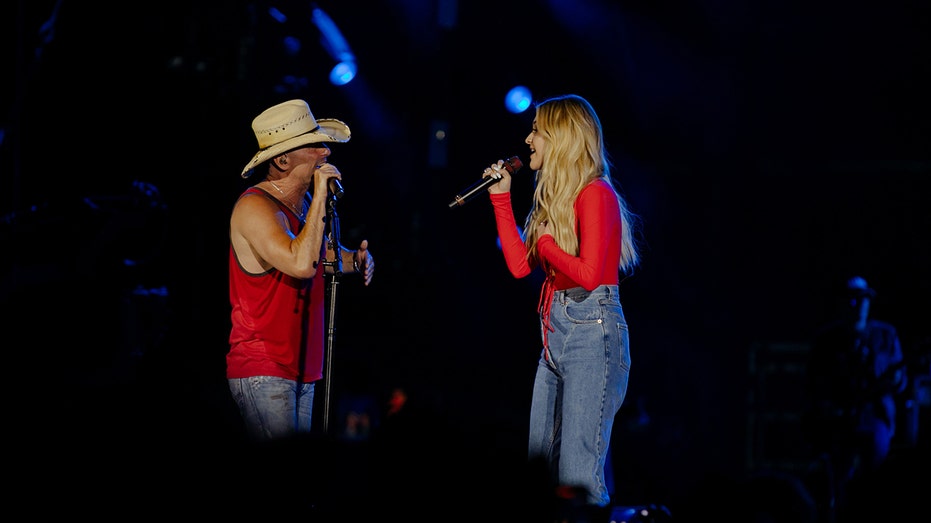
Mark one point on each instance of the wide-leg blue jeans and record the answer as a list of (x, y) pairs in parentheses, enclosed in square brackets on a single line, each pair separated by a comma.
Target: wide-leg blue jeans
[(580, 384)]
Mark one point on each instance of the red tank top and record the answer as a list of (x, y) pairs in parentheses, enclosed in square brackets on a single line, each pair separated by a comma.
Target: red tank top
[(277, 321)]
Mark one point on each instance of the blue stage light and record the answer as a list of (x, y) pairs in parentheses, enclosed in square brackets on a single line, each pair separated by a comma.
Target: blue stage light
[(337, 47), (518, 99), (343, 73)]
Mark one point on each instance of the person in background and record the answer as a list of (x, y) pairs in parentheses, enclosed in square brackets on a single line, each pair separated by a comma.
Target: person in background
[(579, 232), (279, 252), (855, 373)]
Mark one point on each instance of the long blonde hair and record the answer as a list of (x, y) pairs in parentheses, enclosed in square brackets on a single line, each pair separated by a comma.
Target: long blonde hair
[(574, 156)]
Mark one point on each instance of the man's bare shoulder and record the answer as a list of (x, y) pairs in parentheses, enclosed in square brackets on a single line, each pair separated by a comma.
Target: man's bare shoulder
[(254, 203)]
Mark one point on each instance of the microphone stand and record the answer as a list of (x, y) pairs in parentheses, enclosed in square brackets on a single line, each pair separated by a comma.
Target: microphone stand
[(337, 264)]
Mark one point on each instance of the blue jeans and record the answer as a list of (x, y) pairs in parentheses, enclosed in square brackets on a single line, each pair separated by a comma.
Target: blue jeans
[(273, 407), (580, 388)]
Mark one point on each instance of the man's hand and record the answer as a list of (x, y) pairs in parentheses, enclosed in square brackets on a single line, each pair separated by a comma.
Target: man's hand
[(363, 262)]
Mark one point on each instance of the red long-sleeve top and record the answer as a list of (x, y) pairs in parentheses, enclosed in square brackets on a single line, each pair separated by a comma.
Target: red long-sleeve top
[(599, 228)]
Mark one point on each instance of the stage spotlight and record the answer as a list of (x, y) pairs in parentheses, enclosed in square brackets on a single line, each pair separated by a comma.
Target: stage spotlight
[(518, 99), (343, 73), (276, 13), (337, 47)]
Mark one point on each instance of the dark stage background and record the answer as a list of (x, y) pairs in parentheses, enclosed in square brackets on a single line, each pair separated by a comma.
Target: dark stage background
[(772, 149)]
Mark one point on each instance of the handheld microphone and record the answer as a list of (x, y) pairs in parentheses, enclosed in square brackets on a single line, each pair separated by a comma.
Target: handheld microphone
[(336, 188), (511, 165)]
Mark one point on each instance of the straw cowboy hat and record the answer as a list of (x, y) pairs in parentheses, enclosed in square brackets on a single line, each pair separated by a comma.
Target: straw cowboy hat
[(290, 125)]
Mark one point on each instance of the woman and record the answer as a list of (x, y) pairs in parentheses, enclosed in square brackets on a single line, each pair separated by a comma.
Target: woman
[(579, 232)]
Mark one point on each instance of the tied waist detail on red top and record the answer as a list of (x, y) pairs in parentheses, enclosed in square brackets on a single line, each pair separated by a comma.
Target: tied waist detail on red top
[(553, 293), (545, 305)]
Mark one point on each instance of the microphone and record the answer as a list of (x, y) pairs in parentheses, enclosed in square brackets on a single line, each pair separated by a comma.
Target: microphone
[(336, 188), (511, 165)]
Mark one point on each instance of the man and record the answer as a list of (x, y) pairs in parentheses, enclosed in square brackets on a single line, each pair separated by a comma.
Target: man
[(279, 252), (856, 371)]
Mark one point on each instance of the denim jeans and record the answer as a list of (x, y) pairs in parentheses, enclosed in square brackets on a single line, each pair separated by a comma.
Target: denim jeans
[(273, 407), (578, 390)]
